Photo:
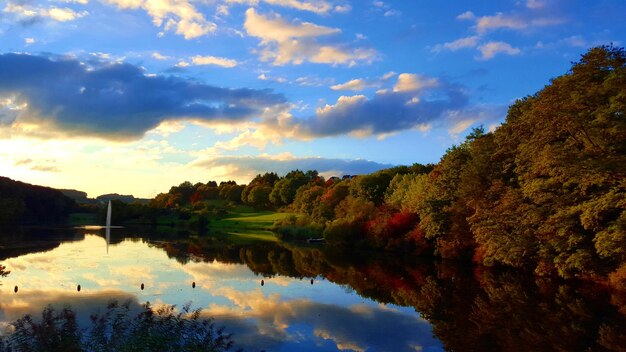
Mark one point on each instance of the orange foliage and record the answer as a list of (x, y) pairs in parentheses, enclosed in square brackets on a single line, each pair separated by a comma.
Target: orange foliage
[(617, 279)]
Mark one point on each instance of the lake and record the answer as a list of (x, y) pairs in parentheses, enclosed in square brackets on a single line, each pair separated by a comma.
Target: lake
[(286, 297)]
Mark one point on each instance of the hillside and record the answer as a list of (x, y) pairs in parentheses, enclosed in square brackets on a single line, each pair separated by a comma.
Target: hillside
[(23, 203)]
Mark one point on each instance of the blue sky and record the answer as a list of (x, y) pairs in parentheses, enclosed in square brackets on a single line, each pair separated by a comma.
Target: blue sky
[(133, 96)]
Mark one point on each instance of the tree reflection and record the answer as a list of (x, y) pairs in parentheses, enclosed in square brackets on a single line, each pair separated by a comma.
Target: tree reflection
[(118, 329), (3, 271), (470, 310)]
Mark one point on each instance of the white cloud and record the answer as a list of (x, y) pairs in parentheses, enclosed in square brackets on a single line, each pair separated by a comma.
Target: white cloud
[(491, 49), (575, 41), (320, 7), (343, 8), (486, 23), (158, 56), (55, 13), (385, 8), (213, 60), (179, 16), (483, 25), (388, 75), (64, 14), (535, 4), (313, 81), (408, 82), (264, 77), (467, 15), (284, 42), (315, 6), (361, 83), (29, 40), (500, 20), (279, 30), (461, 126), (390, 13), (199, 60), (355, 84), (461, 43)]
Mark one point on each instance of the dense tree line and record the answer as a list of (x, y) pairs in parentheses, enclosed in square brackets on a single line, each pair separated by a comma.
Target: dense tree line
[(545, 191), (23, 203)]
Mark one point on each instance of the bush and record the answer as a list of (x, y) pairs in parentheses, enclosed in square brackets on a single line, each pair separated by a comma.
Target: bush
[(297, 228), (343, 232), (118, 329)]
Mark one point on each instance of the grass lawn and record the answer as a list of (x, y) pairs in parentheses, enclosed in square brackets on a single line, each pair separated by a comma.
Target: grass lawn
[(248, 226)]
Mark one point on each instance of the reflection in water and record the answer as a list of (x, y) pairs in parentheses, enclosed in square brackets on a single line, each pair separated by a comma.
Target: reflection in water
[(358, 303), (287, 314)]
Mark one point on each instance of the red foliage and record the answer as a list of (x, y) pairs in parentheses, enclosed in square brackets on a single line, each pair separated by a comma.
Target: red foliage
[(402, 222), (417, 237), (479, 255), (196, 197), (394, 230)]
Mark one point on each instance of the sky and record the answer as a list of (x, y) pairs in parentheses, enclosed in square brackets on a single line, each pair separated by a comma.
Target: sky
[(134, 96)]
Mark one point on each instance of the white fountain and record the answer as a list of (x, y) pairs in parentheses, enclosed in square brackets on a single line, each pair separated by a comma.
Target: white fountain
[(108, 226)]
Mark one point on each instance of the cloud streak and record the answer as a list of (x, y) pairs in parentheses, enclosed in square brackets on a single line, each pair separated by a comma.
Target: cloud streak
[(245, 167), (484, 25), (491, 49), (113, 100), (319, 7)]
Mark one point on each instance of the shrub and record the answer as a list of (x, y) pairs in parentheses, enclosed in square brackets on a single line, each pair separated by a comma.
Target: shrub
[(118, 329)]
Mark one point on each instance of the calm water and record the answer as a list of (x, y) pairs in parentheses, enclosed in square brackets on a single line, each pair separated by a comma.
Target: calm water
[(360, 302)]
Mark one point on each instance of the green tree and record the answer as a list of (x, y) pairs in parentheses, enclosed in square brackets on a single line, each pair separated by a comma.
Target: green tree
[(371, 187), (259, 196), (284, 191), (568, 152)]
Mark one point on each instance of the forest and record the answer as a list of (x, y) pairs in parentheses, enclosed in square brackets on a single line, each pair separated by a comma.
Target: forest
[(545, 191), (23, 203)]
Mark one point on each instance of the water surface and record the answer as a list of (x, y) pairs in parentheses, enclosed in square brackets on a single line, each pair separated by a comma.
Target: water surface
[(297, 313), (357, 301)]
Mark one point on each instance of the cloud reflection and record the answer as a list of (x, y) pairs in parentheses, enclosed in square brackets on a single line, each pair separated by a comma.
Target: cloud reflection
[(286, 314), (267, 321)]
